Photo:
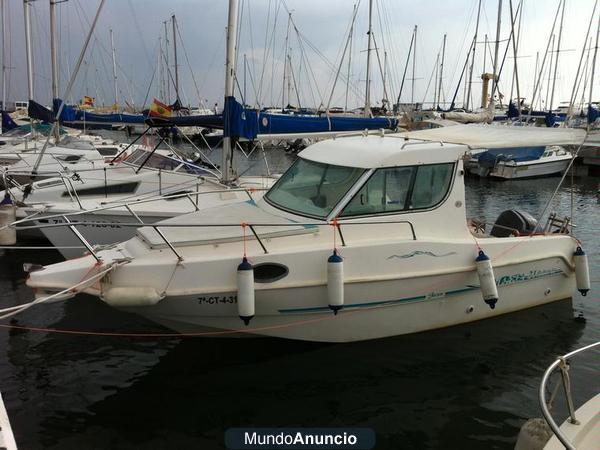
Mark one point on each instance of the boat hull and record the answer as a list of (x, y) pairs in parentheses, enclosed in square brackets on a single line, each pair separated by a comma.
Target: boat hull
[(373, 309), (530, 170)]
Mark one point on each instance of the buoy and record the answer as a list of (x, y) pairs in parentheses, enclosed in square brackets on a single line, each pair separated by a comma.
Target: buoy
[(582, 271), (335, 282), (8, 214), (245, 292), (487, 281)]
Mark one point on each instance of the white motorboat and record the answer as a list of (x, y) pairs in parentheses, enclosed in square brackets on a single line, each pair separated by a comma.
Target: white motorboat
[(145, 187), (580, 431), (373, 228), (514, 163)]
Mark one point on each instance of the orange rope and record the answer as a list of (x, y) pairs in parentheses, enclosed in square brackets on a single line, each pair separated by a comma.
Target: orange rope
[(244, 225), (95, 266), (334, 224)]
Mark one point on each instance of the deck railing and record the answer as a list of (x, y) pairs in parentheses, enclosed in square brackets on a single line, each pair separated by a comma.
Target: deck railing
[(563, 364)]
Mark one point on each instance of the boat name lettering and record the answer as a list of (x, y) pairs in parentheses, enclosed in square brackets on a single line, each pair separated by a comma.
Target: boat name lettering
[(532, 275), (215, 300)]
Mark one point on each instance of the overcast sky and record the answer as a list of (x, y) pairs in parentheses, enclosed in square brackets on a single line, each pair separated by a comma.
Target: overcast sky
[(315, 49)]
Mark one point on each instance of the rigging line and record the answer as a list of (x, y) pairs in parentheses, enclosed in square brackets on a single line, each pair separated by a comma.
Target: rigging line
[(535, 90), (138, 29), (342, 52), (185, 54), (310, 71), (212, 61), (106, 54), (303, 39), (268, 44), (462, 47), (384, 22), (433, 72), (508, 44), (265, 56), (574, 94), (149, 86), (385, 94), (240, 14), (349, 32)]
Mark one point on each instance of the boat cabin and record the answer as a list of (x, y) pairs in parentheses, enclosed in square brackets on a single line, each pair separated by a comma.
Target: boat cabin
[(372, 177)]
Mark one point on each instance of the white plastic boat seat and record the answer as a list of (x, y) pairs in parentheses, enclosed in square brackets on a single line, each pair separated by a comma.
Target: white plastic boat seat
[(217, 234)]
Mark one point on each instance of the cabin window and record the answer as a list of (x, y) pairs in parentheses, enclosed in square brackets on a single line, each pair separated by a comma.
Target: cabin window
[(431, 185), (110, 189), (401, 189), (312, 189), (154, 161), (386, 191)]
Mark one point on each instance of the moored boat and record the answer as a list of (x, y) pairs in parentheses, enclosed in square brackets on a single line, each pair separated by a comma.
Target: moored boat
[(373, 228)]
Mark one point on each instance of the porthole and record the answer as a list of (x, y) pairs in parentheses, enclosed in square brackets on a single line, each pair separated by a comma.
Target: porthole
[(269, 272)]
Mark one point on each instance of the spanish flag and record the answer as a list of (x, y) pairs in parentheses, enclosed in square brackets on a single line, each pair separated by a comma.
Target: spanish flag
[(87, 101), (159, 109)]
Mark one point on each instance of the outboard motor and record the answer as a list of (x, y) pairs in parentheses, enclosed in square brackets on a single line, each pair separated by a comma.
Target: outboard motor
[(513, 221)]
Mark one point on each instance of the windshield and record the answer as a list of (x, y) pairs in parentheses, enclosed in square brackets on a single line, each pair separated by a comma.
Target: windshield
[(311, 188), (158, 161)]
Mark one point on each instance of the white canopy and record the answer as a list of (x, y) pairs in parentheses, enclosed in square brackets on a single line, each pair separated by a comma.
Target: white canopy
[(499, 136)]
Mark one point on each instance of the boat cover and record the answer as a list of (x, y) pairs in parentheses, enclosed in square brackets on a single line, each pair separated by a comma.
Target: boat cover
[(517, 154), (478, 136)]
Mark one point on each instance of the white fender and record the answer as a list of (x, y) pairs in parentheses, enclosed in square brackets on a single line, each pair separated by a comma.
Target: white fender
[(487, 280), (335, 282), (131, 296), (582, 271), (245, 290)]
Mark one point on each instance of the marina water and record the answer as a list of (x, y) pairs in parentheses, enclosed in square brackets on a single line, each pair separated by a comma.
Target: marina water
[(470, 386)]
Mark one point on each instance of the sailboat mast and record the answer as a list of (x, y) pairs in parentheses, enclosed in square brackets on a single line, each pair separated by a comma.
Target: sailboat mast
[(497, 46), (28, 52), (54, 60), (593, 67), (441, 70), (244, 101), (514, 44), (174, 22), (167, 71), (414, 62), (468, 102), (285, 63), (562, 16), (368, 78), (114, 62), (350, 37), (3, 24), (229, 88), (435, 86)]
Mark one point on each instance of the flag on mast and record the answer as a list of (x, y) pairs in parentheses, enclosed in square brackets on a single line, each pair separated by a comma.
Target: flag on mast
[(159, 109)]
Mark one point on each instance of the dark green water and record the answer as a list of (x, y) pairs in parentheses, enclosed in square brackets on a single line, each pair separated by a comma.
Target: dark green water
[(466, 387)]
